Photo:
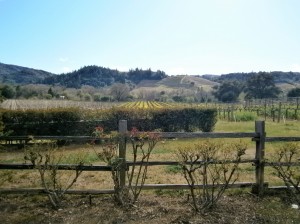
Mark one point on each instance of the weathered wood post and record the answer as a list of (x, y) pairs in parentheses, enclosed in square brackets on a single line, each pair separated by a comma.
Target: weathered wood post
[(122, 151), (273, 113), (279, 113), (259, 157), (265, 110), (232, 113)]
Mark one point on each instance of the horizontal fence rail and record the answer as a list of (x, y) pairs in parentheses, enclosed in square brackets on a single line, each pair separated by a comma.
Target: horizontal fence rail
[(58, 167), (259, 137), (42, 191), (282, 139), (205, 135), (161, 134)]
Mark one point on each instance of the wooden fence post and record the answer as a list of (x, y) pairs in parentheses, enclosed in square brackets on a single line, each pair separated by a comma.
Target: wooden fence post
[(122, 151), (259, 157), (279, 112), (265, 110)]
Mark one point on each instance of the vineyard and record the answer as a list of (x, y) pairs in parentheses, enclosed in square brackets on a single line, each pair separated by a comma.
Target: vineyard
[(272, 109), (179, 125), (146, 105), (48, 104)]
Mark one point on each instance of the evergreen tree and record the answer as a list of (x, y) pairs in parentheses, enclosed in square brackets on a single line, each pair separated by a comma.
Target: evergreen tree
[(228, 91), (294, 92), (50, 91), (261, 85)]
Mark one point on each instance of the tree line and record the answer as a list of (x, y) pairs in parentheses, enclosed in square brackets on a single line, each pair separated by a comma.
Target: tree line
[(256, 86), (100, 77), (94, 83)]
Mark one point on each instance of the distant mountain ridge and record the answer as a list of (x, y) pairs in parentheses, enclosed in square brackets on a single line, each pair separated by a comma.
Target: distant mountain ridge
[(88, 75), (14, 74), (279, 77), (99, 77)]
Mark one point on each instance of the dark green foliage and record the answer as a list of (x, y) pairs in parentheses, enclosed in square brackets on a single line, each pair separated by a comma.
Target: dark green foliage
[(178, 119), (105, 98), (99, 77), (75, 122), (294, 92), (50, 92), (1, 126), (41, 122), (261, 85), (279, 77), (228, 91), (178, 98), (88, 75), (8, 92), (138, 75)]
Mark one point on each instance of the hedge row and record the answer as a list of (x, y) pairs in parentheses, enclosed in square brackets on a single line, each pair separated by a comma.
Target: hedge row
[(73, 121)]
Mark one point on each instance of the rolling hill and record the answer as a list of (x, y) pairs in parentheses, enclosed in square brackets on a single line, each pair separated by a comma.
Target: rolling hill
[(177, 82), (13, 74), (137, 78)]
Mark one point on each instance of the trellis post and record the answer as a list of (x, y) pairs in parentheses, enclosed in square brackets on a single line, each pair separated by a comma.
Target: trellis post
[(279, 112)]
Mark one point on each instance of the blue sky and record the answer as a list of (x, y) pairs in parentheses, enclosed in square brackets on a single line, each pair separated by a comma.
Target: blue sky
[(176, 36)]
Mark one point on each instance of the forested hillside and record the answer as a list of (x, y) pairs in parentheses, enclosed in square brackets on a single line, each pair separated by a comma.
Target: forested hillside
[(13, 74), (99, 77), (88, 75), (279, 77)]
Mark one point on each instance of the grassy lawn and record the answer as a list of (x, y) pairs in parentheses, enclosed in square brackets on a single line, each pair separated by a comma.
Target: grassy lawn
[(165, 150), (284, 129), (248, 208)]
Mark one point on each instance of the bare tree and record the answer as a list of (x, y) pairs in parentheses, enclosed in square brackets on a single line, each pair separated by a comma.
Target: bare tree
[(146, 94), (120, 91)]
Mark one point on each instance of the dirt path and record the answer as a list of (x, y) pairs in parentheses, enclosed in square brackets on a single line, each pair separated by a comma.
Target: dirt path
[(151, 208)]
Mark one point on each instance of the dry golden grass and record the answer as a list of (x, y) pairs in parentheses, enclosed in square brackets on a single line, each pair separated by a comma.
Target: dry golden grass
[(159, 207), (165, 150)]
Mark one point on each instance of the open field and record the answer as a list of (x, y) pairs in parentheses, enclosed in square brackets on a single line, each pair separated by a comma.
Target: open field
[(48, 104), (165, 150), (273, 110), (164, 206)]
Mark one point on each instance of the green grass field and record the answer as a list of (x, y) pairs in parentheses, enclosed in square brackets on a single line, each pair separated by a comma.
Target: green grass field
[(165, 150), (270, 209)]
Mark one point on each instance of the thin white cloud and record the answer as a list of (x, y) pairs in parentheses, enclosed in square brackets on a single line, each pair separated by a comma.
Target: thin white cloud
[(62, 59)]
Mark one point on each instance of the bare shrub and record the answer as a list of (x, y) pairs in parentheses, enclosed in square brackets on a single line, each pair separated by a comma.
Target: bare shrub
[(142, 144), (46, 160), (209, 171), (284, 159)]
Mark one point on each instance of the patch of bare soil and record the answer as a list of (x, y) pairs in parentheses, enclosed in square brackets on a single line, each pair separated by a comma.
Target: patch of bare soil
[(151, 208)]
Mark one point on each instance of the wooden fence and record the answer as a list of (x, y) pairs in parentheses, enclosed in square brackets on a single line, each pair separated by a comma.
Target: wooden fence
[(275, 113), (258, 136)]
